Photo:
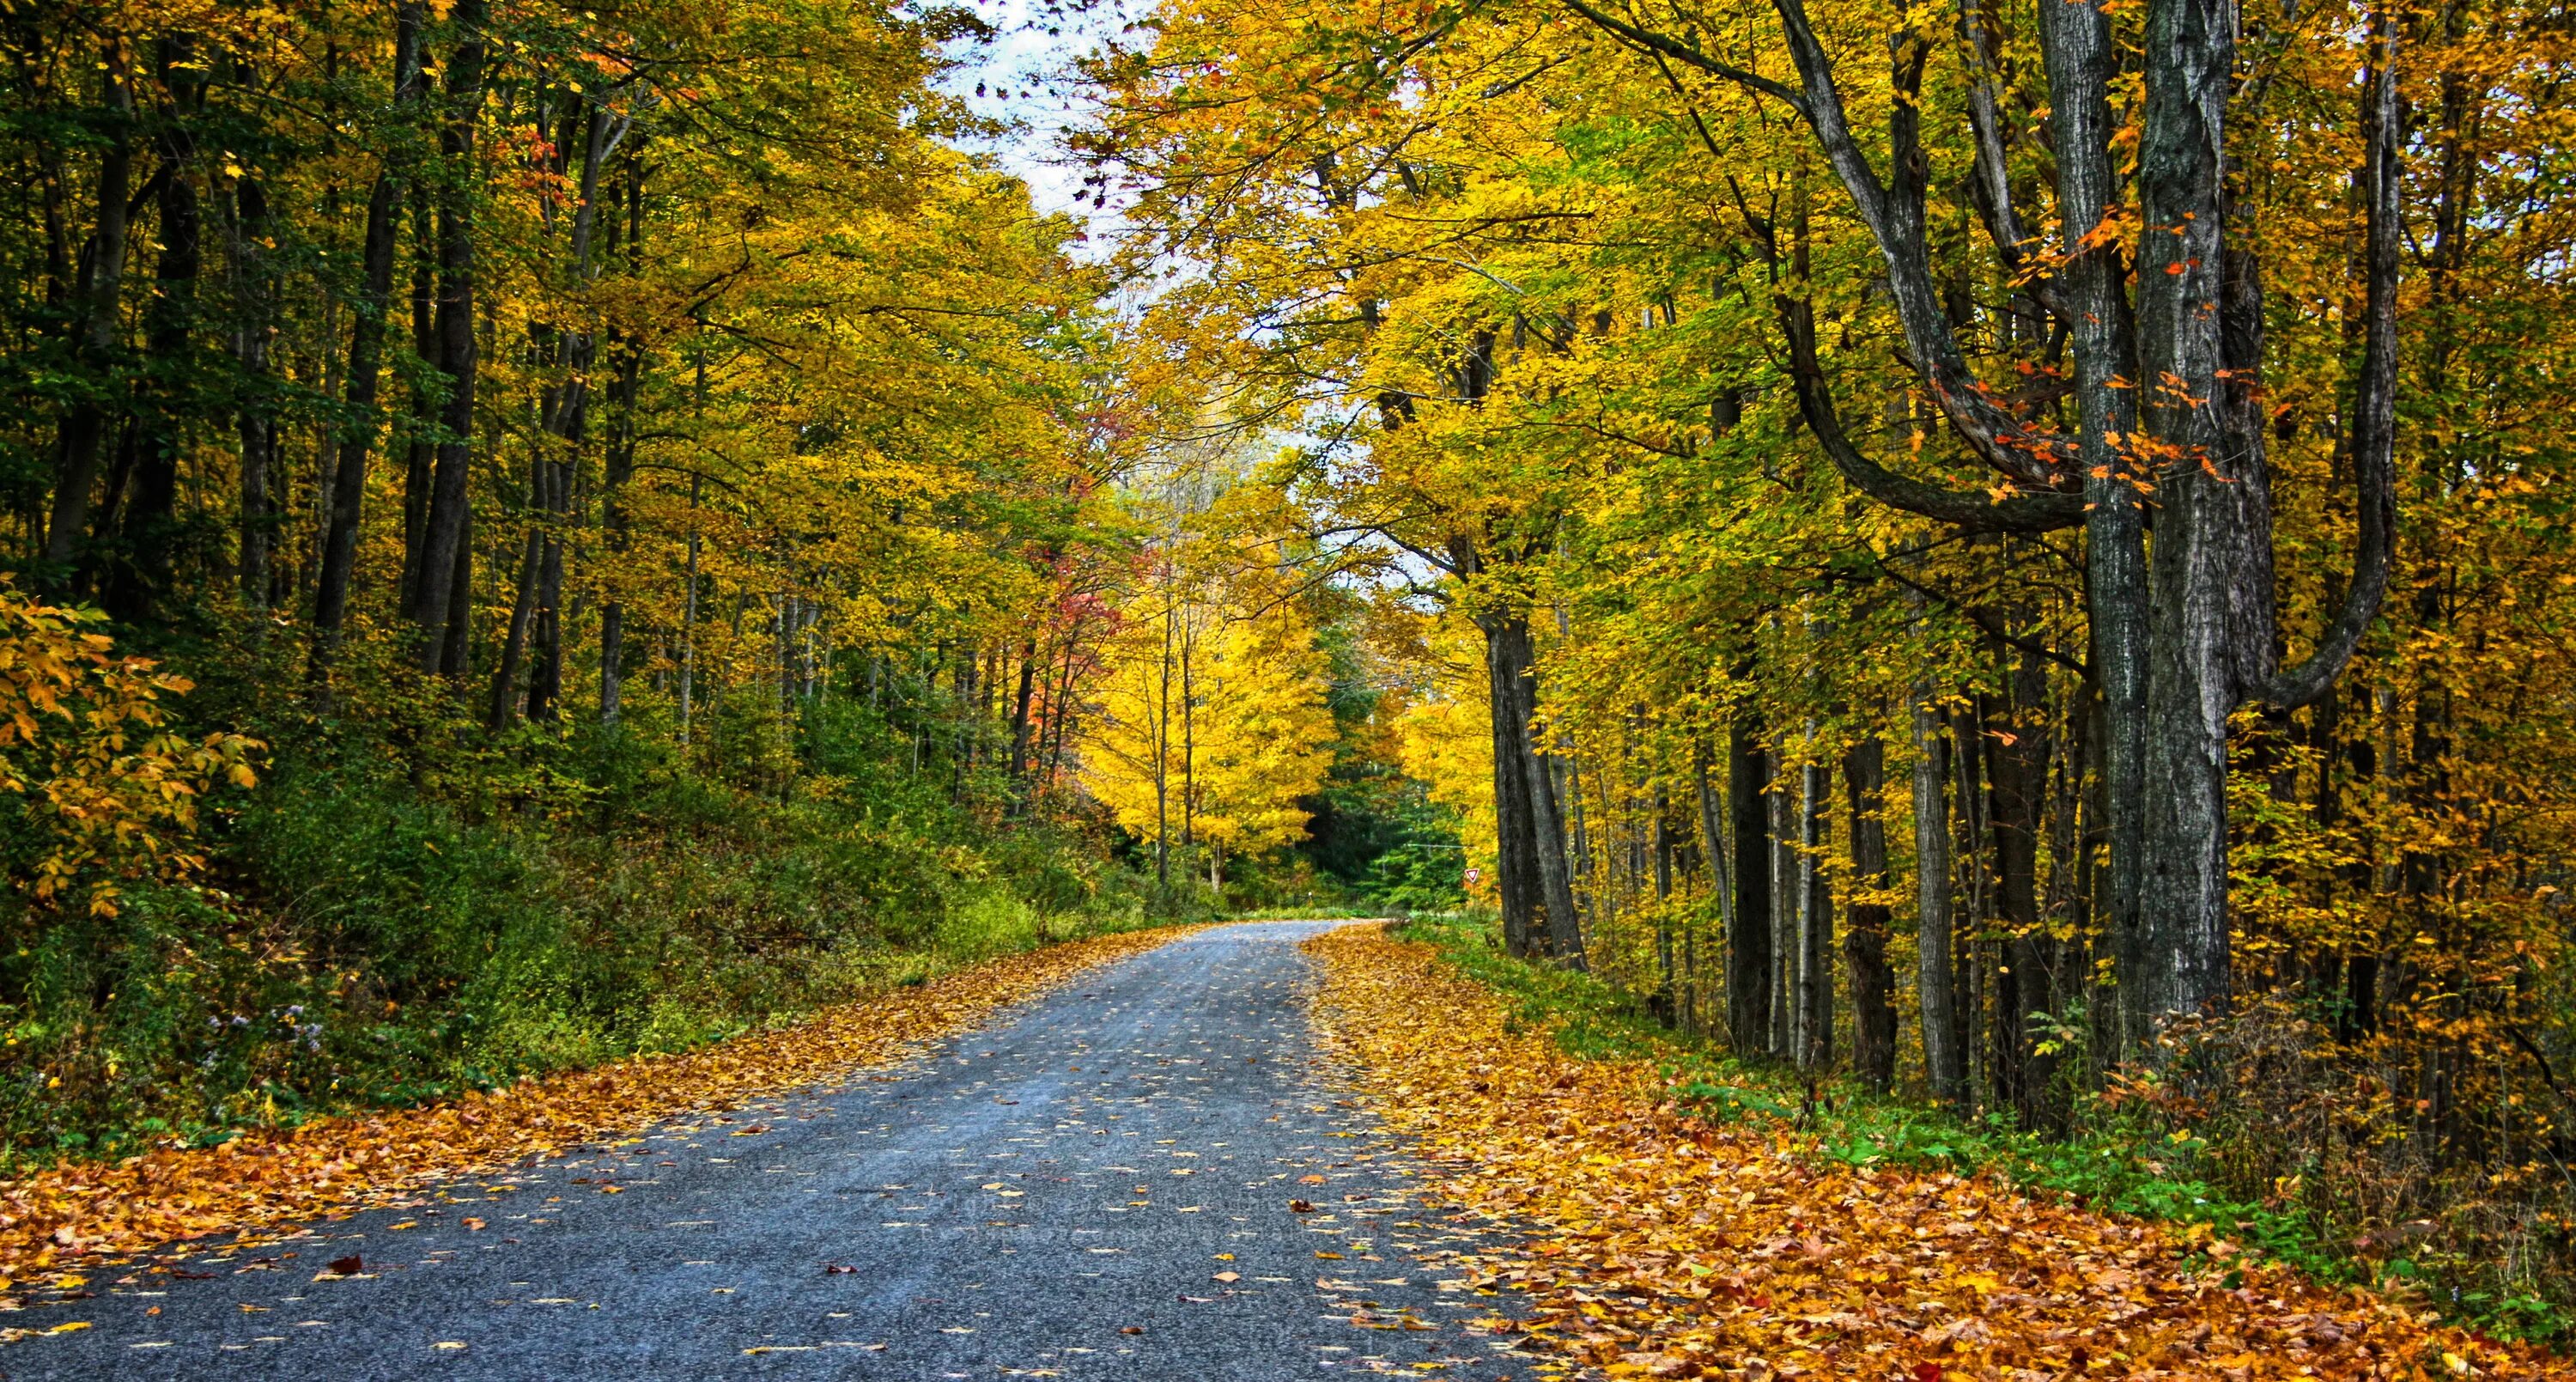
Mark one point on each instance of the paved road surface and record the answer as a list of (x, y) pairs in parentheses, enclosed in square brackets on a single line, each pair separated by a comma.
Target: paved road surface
[(1052, 1197)]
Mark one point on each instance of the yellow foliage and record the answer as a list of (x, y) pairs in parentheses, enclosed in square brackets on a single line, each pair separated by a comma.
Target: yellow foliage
[(85, 740), (1212, 726)]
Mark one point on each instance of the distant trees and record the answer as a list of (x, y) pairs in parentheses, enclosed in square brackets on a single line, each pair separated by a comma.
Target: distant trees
[(1211, 735)]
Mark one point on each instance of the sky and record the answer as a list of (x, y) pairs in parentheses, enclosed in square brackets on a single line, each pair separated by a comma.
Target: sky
[(1025, 60)]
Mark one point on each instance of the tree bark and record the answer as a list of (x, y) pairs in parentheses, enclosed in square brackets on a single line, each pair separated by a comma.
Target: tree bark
[(2024, 980), (1556, 879), (255, 292), (1516, 880), (433, 606), (502, 707), (1021, 704), (1788, 909), (98, 293), (366, 366), (1873, 984), (2081, 62), (1815, 1017), (1748, 940), (1945, 1062), (141, 564)]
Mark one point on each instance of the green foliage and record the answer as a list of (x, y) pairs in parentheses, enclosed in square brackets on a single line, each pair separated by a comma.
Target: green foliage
[(556, 903)]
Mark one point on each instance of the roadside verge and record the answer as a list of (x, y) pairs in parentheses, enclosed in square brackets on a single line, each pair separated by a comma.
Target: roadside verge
[(1668, 1245)]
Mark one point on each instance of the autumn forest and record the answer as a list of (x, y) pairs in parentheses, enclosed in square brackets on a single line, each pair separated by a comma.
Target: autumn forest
[(1970, 595)]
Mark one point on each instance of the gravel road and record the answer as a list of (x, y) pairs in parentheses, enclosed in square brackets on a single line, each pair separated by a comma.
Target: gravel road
[(1099, 1186)]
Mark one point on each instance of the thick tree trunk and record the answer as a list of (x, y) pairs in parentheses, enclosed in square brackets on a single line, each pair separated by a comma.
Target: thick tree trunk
[(1556, 876), (2076, 43), (456, 635), (2194, 629), (1788, 908), (255, 292), (1748, 938), (618, 466), (545, 675), (1945, 1062), (1815, 1018), (147, 536), (1020, 708), (349, 476), (433, 608), (566, 420), (1873, 984), (502, 708), (101, 286), (617, 470), (2024, 987), (348, 481), (1516, 880)]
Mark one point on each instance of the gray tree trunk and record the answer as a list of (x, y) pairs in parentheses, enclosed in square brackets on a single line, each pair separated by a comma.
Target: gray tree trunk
[(1946, 1064)]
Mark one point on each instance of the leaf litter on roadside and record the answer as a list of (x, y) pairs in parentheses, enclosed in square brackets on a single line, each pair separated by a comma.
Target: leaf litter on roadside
[(263, 1181), (1663, 1245)]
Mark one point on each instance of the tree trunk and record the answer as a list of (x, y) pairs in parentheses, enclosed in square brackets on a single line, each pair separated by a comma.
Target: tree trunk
[(348, 487), (2025, 987), (2082, 63), (617, 471), (1547, 827), (1815, 1018), (1873, 984), (433, 606), (1946, 1064), (147, 537), (502, 708), (1788, 909), (255, 293), (349, 477), (1748, 937), (99, 291), (545, 675), (1020, 708), (1516, 871)]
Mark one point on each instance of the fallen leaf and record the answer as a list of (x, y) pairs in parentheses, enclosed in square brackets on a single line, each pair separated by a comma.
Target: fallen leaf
[(335, 1164)]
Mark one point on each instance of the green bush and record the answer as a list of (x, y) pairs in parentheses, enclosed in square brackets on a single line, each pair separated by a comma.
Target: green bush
[(380, 935)]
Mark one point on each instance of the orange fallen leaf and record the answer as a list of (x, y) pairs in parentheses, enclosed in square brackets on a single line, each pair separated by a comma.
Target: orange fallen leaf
[(1662, 1244), (266, 1181)]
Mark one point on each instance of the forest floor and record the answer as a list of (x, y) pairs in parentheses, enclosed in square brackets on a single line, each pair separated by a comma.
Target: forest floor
[(1662, 1243)]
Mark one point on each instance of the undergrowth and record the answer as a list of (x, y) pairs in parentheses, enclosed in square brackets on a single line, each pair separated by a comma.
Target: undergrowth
[(2119, 1163), (371, 934)]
